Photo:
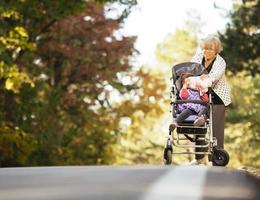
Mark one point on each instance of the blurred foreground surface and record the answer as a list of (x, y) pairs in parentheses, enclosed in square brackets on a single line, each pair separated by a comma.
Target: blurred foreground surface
[(126, 182)]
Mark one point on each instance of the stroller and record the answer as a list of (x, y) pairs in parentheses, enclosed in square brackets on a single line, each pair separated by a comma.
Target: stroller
[(185, 135)]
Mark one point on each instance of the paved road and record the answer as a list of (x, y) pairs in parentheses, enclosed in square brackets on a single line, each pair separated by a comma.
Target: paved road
[(127, 183)]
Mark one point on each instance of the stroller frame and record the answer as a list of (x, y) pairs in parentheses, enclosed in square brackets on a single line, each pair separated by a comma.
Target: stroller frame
[(216, 155)]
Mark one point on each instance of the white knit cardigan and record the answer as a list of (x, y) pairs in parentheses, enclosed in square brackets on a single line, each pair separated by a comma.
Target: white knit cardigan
[(217, 74)]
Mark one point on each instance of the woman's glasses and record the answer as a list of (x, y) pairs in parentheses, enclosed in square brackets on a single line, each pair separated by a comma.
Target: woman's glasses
[(210, 50)]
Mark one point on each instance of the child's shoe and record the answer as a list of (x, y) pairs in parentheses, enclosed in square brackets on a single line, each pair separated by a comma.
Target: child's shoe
[(199, 121)]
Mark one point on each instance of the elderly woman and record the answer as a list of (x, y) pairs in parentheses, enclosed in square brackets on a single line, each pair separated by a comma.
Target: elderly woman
[(215, 65)]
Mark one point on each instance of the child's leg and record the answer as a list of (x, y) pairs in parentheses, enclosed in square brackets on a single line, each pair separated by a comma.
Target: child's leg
[(201, 117), (183, 115), (203, 112)]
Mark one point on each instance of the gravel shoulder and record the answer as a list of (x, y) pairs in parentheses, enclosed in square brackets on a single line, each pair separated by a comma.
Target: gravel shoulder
[(252, 171)]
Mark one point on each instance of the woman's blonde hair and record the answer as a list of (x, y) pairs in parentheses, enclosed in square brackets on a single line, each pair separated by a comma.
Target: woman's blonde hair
[(211, 40)]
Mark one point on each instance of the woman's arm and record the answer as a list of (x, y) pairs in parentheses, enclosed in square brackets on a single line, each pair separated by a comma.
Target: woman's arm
[(205, 98), (217, 70)]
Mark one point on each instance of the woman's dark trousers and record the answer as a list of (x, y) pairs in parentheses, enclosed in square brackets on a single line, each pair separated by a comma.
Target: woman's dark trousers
[(218, 129)]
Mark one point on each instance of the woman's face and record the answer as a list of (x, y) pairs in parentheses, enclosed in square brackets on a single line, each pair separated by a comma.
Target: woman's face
[(209, 52)]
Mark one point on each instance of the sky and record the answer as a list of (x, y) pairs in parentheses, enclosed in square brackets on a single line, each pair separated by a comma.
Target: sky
[(152, 20)]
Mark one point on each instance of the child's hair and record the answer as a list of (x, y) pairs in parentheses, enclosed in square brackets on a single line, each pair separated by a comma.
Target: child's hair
[(183, 76)]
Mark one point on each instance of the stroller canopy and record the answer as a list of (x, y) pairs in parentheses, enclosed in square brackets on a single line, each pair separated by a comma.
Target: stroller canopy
[(187, 67)]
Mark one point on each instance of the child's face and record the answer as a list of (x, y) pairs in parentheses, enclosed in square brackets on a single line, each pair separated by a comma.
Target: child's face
[(186, 80)]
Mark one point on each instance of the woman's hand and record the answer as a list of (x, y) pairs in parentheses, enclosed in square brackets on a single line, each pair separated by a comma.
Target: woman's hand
[(205, 98), (203, 76)]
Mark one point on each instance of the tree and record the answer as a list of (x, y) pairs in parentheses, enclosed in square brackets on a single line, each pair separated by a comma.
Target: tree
[(241, 39), (242, 132), (177, 47), (241, 50), (83, 61), (140, 142), (66, 116), (22, 22)]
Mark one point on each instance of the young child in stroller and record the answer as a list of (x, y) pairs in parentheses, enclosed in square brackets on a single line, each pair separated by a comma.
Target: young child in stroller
[(193, 88)]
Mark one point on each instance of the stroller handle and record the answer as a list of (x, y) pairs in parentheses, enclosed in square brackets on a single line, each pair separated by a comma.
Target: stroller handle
[(191, 101)]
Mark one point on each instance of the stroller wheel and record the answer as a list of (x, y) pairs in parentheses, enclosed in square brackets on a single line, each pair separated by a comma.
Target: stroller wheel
[(220, 157), (167, 156)]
